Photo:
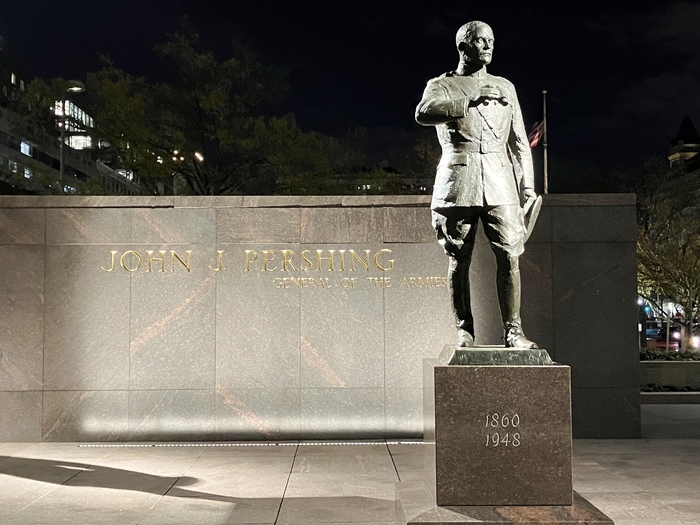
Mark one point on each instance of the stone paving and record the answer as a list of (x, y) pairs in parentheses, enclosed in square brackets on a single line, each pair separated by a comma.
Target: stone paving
[(647, 481)]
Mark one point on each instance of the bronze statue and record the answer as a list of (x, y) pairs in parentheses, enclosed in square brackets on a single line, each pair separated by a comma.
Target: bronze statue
[(485, 173)]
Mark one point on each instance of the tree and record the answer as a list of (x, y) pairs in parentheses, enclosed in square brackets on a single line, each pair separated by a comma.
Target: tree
[(212, 129), (668, 241), (206, 128), (209, 130), (127, 126)]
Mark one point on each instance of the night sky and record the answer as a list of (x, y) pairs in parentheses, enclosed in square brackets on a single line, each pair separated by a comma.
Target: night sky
[(620, 75)]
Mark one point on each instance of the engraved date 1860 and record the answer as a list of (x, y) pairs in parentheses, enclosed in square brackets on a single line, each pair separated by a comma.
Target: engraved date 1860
[(501, 430)]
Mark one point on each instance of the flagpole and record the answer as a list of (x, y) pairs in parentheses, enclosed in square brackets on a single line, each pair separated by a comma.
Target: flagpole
[(544, 143)]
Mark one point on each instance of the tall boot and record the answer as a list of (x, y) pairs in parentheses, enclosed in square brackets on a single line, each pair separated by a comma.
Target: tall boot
[(458, 281), (508, 286)]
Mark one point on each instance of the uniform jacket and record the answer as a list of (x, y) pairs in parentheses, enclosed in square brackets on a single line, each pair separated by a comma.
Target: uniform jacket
[(486, 159)]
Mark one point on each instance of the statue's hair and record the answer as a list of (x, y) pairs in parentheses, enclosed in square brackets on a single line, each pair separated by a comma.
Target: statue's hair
[(465, 33)]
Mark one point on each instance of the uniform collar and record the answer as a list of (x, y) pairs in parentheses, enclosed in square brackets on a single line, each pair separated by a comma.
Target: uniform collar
[(477, 74)]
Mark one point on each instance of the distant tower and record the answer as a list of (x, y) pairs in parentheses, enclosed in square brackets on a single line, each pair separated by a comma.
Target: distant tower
[(685, 145)]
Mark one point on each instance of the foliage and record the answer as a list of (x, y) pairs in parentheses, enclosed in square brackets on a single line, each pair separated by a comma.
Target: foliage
[(653, 387), (306, 163), (205, 128), (655, 354), (212, 129), (668, 244), (33, 109)]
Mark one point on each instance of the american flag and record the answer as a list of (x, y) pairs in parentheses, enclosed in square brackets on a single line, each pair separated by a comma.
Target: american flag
[(536, 132)]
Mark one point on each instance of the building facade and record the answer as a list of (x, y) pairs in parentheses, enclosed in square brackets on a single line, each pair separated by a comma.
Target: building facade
[(31, 162)]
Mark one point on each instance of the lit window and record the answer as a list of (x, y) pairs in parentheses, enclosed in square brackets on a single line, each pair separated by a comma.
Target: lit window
[(81, 142), (69, 189), (12, 165), (27, 173), (14, 78), (25, 148), (127, 174)]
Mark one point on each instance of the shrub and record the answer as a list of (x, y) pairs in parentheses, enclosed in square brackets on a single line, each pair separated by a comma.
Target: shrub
[(656, 354)]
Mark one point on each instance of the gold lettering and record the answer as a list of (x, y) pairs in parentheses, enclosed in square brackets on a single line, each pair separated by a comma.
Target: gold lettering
[(248, 260), (288, 257), (354, 257), (266, 259), (111, 268), (306, 260), (342, 260), (379, 282), (174, 256), (220, 260), (161, 259), (424, 282), (346, 282), (390, 261), (276, 282), (295, 281), (135, 254), (319, 259)]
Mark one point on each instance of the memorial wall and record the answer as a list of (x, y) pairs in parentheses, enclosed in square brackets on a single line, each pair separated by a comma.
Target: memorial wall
[(223, 318)]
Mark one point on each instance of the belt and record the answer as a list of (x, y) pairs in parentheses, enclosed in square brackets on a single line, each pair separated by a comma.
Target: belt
[(457, 153), (481, 147)]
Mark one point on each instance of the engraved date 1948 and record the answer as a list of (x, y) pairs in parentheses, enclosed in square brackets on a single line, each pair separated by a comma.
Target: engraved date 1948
[(500, 423)]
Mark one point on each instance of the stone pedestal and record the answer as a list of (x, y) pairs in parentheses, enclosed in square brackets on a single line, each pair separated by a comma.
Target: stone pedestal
[(498, 433), (416, 506), (502, 433)]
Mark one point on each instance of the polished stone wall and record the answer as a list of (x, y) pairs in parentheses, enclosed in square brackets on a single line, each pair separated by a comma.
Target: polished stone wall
[(218, 352)]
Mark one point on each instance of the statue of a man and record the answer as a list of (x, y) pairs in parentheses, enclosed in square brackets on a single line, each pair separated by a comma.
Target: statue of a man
[(485, 173)]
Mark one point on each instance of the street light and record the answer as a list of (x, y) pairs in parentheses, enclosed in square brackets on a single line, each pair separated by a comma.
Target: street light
[(74, 86)]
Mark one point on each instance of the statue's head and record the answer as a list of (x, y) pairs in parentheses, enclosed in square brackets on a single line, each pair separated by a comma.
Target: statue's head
[(475, 43)]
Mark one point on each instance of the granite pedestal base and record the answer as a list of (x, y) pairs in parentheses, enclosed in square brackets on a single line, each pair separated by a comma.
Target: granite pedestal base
[(416, 506), (498, 441), (502, 434)]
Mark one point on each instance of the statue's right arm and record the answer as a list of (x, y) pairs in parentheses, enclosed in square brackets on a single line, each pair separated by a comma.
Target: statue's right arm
[(436, 106)]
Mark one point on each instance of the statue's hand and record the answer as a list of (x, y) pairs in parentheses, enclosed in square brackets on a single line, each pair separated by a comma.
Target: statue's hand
[(489, 92)]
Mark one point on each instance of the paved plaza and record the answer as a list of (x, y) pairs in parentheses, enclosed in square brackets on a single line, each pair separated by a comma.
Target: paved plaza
[(650, 481)]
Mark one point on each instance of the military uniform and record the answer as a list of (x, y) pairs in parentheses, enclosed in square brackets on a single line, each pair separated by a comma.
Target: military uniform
[(486, 165)]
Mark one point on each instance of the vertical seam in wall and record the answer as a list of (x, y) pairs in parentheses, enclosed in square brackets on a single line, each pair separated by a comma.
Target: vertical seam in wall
[(386, 398), (216, 315), (299, 214), (128, 349), (216, 297), (43, 339)]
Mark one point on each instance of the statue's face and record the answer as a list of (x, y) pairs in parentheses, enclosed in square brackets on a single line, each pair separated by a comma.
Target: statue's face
[(479, 49)]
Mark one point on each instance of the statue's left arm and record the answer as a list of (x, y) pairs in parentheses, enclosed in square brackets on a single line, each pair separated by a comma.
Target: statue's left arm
[(520, 152)]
